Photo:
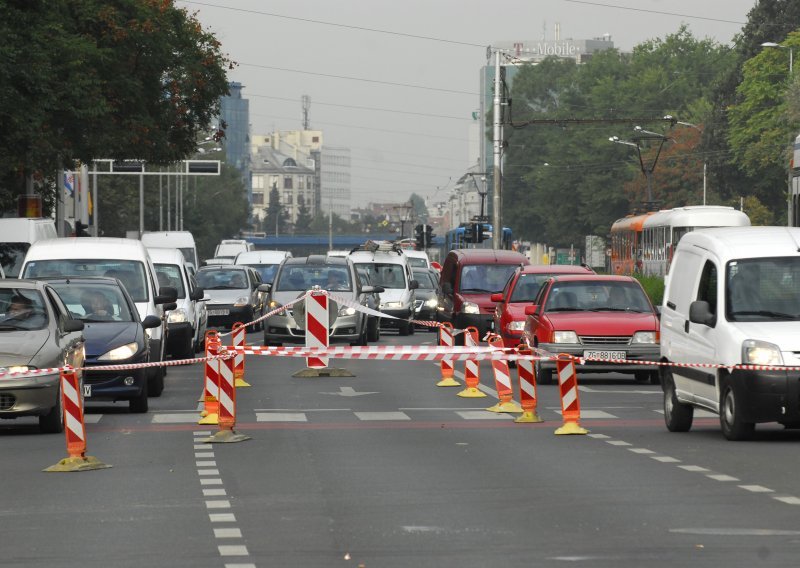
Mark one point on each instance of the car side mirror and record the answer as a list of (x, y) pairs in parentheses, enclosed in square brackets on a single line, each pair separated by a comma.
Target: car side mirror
[(497, 297), (700, 312), (531, 309), (169, 306), (151, 322), (368, 289), (73, 325), (447, 288), (378, 289), (166, 294), (197, 295), (413, 285), (264, 288)]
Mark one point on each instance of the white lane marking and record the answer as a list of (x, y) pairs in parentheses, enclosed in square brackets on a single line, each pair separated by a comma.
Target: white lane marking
[(92, 418), (210, 482), (599, 436), (484, 415), (694, 468), (227, 533), (442, 408), (281, 417), (218, 492), (666, 459), (240, 566), (201, 446), (734, 532), (233, 550), (202, 432), (722, 477), (640, 451), (757, 488), (788, 499), (303, 409), (175, 418), (618, 443), (207, 472), (220, 504), (366, 416), (222, 517), (204, 454), (593, 414), (584, 388), (205, 463), (698, 413)]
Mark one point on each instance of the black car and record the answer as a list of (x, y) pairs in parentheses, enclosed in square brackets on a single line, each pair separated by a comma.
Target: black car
[(114, 335), (426, 301)]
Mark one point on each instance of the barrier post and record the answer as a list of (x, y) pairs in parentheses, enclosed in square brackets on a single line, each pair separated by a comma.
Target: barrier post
[(472, 368), (317, 323), (210, 413), (71, 403), (239, 339), (568, 389), (227, 402), (527, 387), (447, 365), (502, 381)]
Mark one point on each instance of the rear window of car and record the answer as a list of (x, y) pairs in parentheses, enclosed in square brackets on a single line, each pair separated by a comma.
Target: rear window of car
[(130, 272)]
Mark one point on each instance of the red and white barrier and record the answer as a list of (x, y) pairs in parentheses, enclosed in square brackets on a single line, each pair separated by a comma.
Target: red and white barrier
[(317, 326), (227, 403), (472, 369), (502, 380), (527, 387), (210, 412), (570, 401), (239, 339), (446, 339), (74, 427)]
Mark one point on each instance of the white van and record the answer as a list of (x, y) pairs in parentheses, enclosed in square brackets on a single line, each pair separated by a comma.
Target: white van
[(266, 262), (229, 248), (17, 234), (186, 324), (417, 258), (388, 267), (181, 240), (124, 259), (732, 298)]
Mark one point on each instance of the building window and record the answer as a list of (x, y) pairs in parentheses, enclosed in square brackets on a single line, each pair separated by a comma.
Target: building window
[(301, 182), (258, 182), (258, 198), (315, 139), (287, 182)]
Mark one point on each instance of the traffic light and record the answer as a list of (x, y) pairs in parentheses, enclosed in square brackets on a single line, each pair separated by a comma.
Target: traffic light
[(469, 233), (429, 236), (419, 235), (479, 236)]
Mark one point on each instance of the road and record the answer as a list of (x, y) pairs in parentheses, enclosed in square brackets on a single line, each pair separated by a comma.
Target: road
[(386, 470)]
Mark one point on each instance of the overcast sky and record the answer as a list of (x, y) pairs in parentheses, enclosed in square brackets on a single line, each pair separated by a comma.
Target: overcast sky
[(412, 135)]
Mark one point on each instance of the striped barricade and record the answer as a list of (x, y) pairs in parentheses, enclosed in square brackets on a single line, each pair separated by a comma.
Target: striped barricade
[(74, 427), (210, 412), (447, 366), (527, 387), (239, 339), (570, 402), (472, 368), (227, 402), (502, 380)]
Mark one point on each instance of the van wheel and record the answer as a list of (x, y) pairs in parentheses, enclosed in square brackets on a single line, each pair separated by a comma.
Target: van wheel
[(677, 415), (373, 332), (543, 376), (53, 421), (403, 329), (733, 427)]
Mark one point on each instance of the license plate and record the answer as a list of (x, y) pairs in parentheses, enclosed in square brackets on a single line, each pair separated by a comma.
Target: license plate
[(604, 355), (87, 391), (218, 312)]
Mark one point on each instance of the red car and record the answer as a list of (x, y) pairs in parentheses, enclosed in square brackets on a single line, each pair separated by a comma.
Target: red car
[(602, 317), (520, 291)]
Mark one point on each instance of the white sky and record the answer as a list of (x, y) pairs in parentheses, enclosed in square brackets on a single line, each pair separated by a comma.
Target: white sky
[(394, 151)]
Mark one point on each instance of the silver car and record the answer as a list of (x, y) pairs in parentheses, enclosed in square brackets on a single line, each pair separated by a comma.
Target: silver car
[(37, 331), (335, 274), (233, 294)]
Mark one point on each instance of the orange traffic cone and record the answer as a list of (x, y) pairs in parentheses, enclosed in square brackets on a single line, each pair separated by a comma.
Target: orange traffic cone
[(210, 413)]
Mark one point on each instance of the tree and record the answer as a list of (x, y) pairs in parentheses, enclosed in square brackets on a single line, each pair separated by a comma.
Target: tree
[(115, 79), (275, 217), (418, 206), (303, 222)]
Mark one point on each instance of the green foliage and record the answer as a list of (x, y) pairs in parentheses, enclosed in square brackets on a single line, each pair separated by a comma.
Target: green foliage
[(653, 286), (303, 222), (85, 79)]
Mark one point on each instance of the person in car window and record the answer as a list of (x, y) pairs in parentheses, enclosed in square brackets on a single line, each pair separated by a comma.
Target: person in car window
[(97, 306), (335, 281), (237, 281), (21, 313)]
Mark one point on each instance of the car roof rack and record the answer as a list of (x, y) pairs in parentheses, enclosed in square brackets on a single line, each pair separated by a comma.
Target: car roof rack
[(378, 246)]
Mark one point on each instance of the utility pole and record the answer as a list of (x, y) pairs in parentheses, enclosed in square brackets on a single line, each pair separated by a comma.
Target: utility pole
[(497, 226)]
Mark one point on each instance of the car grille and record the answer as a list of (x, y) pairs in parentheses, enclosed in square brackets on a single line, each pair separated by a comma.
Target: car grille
[(605, 339), (417, 304), (7, 401)]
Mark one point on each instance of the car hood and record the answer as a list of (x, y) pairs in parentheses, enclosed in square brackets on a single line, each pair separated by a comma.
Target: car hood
[(394, 295), (516, 311), (784, 334), (19, 347), (226, 296), (104, 336), (484, 302), (603, 323), (424, 294)]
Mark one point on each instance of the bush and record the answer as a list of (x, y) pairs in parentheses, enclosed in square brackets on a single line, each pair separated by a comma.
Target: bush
[(653, 286)]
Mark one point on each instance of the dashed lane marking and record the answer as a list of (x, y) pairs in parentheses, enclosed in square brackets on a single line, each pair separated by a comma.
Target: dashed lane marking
[(366, 416), (483, 415), (281, 417)]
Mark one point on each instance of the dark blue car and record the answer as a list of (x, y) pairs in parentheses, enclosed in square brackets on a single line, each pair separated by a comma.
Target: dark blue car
[(114, 336)]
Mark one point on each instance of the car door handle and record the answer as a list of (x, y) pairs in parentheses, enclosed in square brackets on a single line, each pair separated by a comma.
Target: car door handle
[(686, 326)]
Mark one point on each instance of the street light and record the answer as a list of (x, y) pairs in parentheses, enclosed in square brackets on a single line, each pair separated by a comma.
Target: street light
[(700, 130), (640, 135), (789, 205)]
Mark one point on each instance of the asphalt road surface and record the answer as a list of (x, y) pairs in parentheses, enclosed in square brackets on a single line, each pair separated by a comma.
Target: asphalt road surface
[(385, 469)]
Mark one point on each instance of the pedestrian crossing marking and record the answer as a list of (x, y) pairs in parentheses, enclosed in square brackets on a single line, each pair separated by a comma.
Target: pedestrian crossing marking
[(382, 416), (281, 417), (484, 415)]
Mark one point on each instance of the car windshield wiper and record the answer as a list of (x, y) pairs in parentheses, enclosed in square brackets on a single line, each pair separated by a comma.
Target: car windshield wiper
[(10, 327), (475, 291), (765, 313), (220, 287), (565, 310)]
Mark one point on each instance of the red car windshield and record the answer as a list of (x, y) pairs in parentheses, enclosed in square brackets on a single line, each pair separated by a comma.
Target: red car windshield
[(597, 296)]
